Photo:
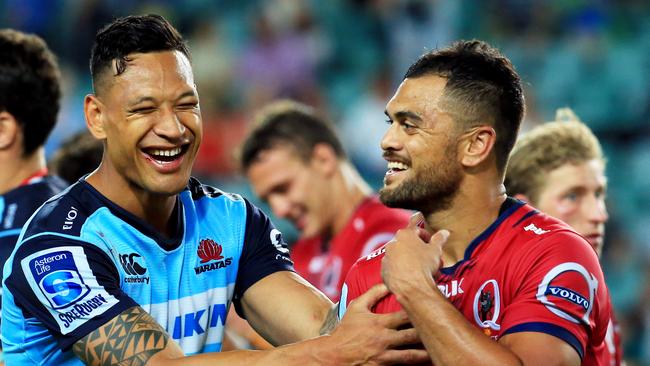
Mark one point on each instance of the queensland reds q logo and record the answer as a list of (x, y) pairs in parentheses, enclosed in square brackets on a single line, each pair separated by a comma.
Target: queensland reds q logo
[(209, 250), (487, 306)]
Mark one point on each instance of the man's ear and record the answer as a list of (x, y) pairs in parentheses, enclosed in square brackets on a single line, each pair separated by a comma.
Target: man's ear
[(324, 159), (476, 145), (9, 130), (93, 111)]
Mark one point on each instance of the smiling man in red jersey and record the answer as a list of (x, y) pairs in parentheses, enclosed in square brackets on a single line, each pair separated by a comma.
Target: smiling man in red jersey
[(498, 283), (559, 168)]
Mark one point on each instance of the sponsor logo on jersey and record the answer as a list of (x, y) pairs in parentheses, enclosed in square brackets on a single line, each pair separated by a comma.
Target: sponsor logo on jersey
[(376, 253), (535, 229), (487, 306), (69, 218), (58, 278), (208, 252), (135, 270), (568, 290), (196, 321), (63, 282), (276, 239), (11, 214), (454, 288)]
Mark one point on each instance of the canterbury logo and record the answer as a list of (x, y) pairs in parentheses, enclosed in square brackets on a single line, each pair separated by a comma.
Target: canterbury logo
[(130, 265), (209, 250)]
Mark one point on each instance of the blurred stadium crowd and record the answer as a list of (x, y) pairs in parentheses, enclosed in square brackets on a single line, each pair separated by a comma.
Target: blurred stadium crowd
[(346, 58)]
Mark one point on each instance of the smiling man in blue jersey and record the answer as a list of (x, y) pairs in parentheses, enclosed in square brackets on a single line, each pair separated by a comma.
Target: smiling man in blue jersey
[(138, 263)]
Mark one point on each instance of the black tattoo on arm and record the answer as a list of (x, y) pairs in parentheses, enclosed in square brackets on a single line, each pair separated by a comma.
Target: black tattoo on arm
[(129, 339), (331, 320)]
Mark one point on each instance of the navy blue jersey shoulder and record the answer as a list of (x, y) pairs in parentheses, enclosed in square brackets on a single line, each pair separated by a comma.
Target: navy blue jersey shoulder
[(261, 240), (67, 213), (18, 205)]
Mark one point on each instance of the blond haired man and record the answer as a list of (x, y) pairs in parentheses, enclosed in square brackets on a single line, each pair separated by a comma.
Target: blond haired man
[(559, 168)]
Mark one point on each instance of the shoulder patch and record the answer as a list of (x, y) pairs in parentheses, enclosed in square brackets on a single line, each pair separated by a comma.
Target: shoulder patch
[(62, 280), (568, 290)]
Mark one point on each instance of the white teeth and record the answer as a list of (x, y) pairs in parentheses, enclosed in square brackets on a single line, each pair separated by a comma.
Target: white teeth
[(172, 152), (397, 165)]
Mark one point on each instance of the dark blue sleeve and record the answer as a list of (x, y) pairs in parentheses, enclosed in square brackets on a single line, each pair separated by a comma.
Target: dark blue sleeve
[(71, 287), (264, 253)]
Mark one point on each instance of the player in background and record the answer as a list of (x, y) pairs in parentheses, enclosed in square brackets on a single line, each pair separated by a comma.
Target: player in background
[(297, 164), (30, 95), (77, 156), (559, 168), (138, 263), (498, 283)]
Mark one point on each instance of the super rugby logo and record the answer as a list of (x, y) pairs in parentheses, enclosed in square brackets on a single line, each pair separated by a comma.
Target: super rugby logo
[(568, 291), (209, 251), (487, 306), (65, 285)]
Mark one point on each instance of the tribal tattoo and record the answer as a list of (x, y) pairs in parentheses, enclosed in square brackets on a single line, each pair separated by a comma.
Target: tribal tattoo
[(130, 339), (331, 320)]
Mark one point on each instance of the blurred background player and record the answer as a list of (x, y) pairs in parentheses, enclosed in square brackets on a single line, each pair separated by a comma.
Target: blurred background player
[(29, 103), (559, 168), (30, 93), (296, 163), (78, 155)]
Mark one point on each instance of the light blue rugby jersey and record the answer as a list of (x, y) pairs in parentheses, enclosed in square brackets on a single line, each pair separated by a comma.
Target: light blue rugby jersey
[(81, 260)]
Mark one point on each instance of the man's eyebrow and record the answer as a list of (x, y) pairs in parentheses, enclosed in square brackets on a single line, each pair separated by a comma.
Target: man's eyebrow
[(404, 115), (143, 99), (189, 93)]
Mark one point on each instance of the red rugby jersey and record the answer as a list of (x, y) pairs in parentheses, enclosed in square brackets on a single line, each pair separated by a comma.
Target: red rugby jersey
[(526, 272), (371, 225)]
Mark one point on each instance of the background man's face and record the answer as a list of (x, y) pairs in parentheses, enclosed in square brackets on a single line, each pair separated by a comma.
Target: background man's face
[(296, 190), (575, 194)]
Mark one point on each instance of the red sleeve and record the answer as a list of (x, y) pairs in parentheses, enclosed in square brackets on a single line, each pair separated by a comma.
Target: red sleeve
[(562, 292), (363, 274)]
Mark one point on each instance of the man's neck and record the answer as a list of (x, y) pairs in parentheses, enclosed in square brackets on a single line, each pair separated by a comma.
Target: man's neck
[(154, 209), (350, 190), (471, 212), (16, 170)]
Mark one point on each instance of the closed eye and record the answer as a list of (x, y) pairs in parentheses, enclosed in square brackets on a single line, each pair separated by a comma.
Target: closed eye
[(143, 110)]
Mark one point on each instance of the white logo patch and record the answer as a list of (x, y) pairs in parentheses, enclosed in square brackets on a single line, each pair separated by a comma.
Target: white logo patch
[(63, 282), (487, 305), (278, 243), (535, 229), (573, 286)]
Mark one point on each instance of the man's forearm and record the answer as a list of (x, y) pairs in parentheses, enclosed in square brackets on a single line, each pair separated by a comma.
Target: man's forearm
[(446, 334)]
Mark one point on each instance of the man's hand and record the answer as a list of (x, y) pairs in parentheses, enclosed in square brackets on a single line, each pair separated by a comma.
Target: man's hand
[(366, 338), (412, 257)]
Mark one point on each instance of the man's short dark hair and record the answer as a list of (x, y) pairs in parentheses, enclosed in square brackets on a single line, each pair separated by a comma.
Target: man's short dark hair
[(288, 123), (77, 156), (132, 34), (29, 86), (482, 87)]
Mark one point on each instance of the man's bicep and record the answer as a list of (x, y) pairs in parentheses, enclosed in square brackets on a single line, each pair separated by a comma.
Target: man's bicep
[(133, 337), (535, 348), (285, 308)]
